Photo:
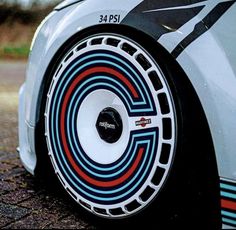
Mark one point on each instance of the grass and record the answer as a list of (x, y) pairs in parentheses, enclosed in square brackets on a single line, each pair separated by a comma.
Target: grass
[(17, 26), (13, 51), (15, 40)]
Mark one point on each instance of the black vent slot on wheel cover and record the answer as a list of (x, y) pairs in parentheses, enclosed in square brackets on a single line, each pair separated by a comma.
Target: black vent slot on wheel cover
[(116, 211), (147, 193), (143, 62), (165, 154), (58, 70), (158, 176), (165, 109), (71, 193), (61, 179), (101, 211), (129, 49), (133, 205), (113, 42), (153, 76), (167, 131), (82, 46), (84, 204), (69, 56), (97, 41)]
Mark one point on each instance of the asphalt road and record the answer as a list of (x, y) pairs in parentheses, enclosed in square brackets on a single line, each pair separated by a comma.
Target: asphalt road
[(25, 202)]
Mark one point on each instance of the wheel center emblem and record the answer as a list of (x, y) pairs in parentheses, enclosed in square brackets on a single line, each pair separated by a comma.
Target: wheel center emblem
[(109, 125), (106, 125), (143, 122)]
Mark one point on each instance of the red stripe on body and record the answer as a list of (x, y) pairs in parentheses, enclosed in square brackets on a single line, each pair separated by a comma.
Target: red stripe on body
[(228, 204)]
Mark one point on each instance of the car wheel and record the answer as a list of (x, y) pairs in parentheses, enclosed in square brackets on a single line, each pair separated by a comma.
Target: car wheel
[(119, 130)]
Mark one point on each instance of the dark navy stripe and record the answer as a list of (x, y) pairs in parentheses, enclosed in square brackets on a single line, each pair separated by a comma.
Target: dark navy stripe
[(203, 26), (157, 23), (160, 4)]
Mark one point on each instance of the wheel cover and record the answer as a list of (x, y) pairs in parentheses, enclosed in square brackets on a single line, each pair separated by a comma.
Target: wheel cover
[(117, 178)]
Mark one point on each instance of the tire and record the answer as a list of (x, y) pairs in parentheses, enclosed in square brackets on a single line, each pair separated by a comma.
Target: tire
[(122, 128)]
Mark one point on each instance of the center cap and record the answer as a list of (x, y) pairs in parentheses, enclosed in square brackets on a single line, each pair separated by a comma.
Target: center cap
[(109, 125)]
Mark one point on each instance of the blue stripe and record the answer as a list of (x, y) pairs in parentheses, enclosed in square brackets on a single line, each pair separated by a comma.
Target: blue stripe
[(136, 144), (94, 190), (111, 63), (74, 133), (61, 94), (73, 119), (100, 168), (227, 194), (229, 187), (114, 88), (229, 214), (101, 62), (228, 221), (60, 98), (78, 150), (106, 192), (57, 112), (73, 116)]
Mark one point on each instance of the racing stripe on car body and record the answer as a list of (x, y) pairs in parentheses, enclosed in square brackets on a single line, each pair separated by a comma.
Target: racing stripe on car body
[(228, 202), (203, 26), (156, 19), (176, 24)]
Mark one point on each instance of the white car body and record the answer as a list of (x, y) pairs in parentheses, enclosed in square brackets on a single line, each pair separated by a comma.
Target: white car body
[(208, 59)]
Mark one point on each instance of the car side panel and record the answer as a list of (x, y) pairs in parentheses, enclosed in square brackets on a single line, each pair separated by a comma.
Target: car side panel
[(210, 63)]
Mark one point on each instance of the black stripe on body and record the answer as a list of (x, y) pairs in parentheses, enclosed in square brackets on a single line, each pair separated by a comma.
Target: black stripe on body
[(203, 26), (157, 18), (159, 22)]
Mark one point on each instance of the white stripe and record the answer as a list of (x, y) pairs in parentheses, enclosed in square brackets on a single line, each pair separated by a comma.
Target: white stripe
[(178, 7), (172, 39)]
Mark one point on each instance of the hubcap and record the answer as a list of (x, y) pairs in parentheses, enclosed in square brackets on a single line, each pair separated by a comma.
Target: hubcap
[(110, 125)]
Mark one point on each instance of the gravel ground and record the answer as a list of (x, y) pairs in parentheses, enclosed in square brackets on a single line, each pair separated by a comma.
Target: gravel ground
[(25, 202)]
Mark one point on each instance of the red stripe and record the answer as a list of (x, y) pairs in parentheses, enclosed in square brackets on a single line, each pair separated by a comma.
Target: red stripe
[(91, 180), (228, 204), (64, 140), (104, 70)]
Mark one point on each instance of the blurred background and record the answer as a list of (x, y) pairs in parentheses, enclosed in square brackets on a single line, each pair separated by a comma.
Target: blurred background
[(24, 201), (18, 22)]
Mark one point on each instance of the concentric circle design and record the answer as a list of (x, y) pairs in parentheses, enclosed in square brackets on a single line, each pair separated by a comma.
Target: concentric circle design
[(118, 178)]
